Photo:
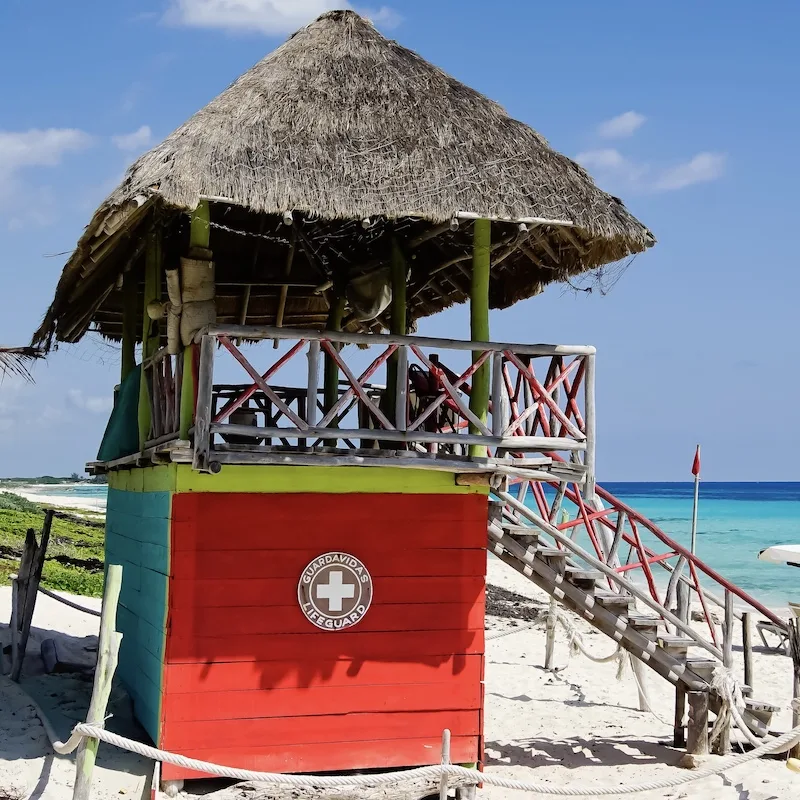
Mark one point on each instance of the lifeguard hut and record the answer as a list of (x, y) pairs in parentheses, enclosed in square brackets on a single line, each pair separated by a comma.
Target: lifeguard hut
[(304, 540)]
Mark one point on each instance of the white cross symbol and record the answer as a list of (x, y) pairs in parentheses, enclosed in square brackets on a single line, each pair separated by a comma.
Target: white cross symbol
[(335, 591)]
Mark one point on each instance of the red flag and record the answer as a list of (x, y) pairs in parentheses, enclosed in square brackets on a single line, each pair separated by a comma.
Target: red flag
[(696, 464)]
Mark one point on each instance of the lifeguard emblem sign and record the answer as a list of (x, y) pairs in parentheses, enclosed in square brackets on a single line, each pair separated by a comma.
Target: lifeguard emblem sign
[(335, 591)]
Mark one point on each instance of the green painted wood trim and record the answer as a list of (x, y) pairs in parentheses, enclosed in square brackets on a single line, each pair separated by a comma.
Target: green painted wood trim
[(152, 291), (479, 322), (328, 480), (143, 479), (129, 311), (200, 226)]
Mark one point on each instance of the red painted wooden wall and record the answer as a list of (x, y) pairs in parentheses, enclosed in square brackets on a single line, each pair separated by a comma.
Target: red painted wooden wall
[(250, 682)]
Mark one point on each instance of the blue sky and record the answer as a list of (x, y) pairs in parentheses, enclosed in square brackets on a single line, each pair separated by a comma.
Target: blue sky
[(687, 111)]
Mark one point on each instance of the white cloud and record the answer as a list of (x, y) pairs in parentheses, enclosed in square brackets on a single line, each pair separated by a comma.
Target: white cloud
[(621, 126), (609, 165), (39, 148), (702, 168), (270, 17), (135, 141), (20, 150), (95, 405)]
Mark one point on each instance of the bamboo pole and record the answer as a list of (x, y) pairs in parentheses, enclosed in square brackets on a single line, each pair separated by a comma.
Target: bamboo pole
[(199, 236), (128, 325), (107, 654), (152, 291), (694, 505), (479, 323)]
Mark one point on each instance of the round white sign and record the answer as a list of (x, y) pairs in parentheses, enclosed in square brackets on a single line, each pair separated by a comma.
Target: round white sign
[(335, 591)]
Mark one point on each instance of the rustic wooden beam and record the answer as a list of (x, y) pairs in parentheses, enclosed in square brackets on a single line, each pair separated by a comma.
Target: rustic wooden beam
[(107, 654), (128, 324), (152, 292), (199, 236), (479, 322)]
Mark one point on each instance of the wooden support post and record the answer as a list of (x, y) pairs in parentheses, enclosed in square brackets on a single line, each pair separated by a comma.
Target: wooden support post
[(641, 683), (794, 650), (550, 641), (312, 385), (479, 323), (199, 236), (129, 311), (747, 647), (14, 624), (499, 418), (33, 564), (590, 425), (152, 291), (678, 732), (683, 603), (399, 325), (107, 654), (401, 398), (723, 744), (697, 728), (445, 760), (205, 401), (331, 379)]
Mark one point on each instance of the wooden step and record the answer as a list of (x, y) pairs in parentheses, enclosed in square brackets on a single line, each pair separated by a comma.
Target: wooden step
[(676, 646), (585, 579), (554, 558), (524, 534), (761, 710), (644, 624), (702, 667), (620, 604)]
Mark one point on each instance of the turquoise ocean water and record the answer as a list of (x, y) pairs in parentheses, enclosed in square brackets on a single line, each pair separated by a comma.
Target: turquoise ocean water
[(736, 521)]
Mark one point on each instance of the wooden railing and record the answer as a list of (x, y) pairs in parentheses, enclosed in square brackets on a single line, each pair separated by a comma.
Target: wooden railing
[(541, 399), (164, 375)]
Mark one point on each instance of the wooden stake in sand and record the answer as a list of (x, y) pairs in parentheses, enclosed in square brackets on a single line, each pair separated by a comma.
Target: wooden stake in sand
[(26, 587), (107, 653)]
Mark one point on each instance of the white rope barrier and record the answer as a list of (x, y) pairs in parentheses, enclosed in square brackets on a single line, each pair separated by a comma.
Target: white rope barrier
[(436, 772)]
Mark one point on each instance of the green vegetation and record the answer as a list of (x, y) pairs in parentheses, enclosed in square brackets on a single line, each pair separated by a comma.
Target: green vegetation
[(74, 561)]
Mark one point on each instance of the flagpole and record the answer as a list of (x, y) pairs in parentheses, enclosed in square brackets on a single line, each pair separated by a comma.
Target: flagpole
[(696, 472)]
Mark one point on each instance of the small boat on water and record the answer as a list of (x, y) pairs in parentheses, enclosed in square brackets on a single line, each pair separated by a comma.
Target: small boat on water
[(782, 554)]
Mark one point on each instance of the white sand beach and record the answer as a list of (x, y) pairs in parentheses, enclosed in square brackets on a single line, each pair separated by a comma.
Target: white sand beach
[(47, 494), (577, 727)]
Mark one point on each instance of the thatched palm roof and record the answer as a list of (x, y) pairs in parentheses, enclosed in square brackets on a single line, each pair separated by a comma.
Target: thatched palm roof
[(337, 126), (15, 361)]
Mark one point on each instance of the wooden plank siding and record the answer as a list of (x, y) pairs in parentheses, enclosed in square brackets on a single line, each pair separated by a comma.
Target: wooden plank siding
[(137, 537), (243, 665)]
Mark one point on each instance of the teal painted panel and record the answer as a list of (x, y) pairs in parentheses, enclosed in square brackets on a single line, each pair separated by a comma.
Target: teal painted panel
[(144, 554), (140, 504), (150, 668), (151, 638), (142, 529), (143, 604), (131, 573), (146, 707)]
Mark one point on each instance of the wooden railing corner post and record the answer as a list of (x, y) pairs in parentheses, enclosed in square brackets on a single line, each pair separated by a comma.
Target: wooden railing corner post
[(203, 409)]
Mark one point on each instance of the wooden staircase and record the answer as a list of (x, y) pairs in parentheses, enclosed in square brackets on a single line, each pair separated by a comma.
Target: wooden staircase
[(612, 610)]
